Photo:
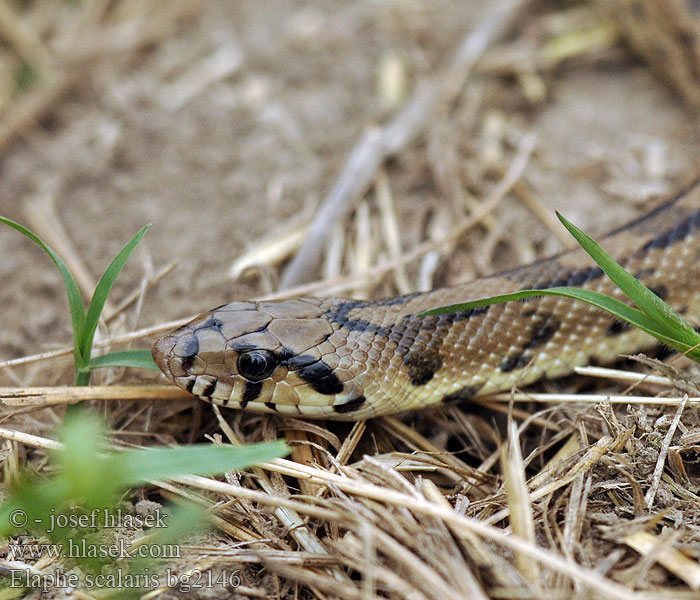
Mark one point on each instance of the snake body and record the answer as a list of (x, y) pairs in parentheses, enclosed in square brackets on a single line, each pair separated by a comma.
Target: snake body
[(350, 359)]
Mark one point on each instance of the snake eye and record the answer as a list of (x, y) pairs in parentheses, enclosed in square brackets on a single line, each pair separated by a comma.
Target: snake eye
[(256, 364)]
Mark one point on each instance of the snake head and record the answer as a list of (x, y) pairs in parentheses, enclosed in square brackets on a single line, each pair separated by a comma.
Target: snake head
[(264, 356)]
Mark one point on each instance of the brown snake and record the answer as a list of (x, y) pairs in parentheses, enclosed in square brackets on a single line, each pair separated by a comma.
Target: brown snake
[(349, 359)]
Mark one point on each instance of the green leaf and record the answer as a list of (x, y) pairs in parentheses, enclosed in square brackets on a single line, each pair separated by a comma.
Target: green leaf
[(75, 300), (83, 461), (139, 359), (136, 466), (665, 317), (615, 307), (102, 291), (654, 315)]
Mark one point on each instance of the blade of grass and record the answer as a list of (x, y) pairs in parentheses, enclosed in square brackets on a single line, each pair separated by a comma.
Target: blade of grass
[(615, 307), (665, 317), (100, 297), (75, 300), (137, 466), (140, 359), (654, 315)]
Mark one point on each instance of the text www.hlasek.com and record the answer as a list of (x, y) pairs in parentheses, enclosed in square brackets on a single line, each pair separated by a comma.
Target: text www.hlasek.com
[(83, 549)]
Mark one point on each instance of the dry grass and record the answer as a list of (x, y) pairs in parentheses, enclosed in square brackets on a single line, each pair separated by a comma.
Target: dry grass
[(570, 494)]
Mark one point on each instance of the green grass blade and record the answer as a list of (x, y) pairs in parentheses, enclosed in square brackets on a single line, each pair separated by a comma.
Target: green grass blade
[(75, 300), (136, 466), (615, 307), (666, 318), (139, 359), (102, 291)]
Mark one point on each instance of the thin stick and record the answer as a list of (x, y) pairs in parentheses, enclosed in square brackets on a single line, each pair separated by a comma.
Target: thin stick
[(589, 399), (663, 452), (49, 396)]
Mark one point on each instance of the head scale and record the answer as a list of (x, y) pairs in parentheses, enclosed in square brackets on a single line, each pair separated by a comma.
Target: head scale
[(265, 356)]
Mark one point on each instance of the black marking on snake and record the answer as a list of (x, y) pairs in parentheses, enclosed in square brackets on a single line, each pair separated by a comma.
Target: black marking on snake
[(298, 361), (674, 234), (462, 394), (189, 350), (517, 361), (189, 386), (251, 392), (271, 406), (321, 378), (617, 327), (339, 314), (573, 278), (423, 365), (210, 323), (209, 390), (350, 405), (397, 300), (542, 331)]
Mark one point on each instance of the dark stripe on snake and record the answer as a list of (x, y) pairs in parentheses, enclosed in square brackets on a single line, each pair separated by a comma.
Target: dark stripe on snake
[(422, 365), (350, 405), (542, 332), (339, 314), (428, 334), (189, 350), (296, 362), (189, 386), (462, 394), (209, 390), (569, 279), (251, 392), (321, 378), (517, 361), (271, 406)]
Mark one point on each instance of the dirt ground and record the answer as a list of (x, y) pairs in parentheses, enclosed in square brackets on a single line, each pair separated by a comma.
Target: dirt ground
[(217, 169)]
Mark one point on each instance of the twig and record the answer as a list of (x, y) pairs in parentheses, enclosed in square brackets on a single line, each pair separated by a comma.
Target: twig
[(663, 452)]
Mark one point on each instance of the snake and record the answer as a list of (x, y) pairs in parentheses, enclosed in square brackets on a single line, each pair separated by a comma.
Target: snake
[(348, 359)]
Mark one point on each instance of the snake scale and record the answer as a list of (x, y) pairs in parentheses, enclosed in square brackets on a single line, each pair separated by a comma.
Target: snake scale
[(352, 359)]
